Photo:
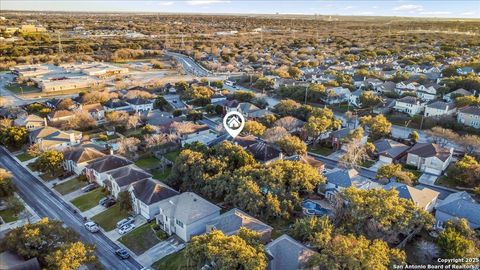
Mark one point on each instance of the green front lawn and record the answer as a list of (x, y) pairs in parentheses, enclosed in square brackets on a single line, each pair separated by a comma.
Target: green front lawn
[(88, 200), (162, 174), (140, 240), (320, 150), (22, 88), (8, 215), (70, 186), (446, 182), (147, 163), (172, 156), (24, 157), (108, 219), (175, 261)]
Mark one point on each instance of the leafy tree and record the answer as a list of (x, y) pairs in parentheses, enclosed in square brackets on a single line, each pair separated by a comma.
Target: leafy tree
[(352, 252), (466, 171), (39, 239), (7, 187), (70, 257), (181, 86), (467, 101), (50, 161), (268, 120), (125, 201), (217, 84), (389, 171), (15, 205), (414, 136), (287, 107), (254, 128), (380, 214), (456, 245), (197, 93), (320, 122), (226, 252), (315, 230), (292, 145), (369, 99), (295, 72), (379, 125), (264, 83), (13, 136), (243, 96)]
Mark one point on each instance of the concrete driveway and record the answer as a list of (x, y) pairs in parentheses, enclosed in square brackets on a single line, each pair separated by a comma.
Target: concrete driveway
[(428, 179), (377, 165), (160, 250)]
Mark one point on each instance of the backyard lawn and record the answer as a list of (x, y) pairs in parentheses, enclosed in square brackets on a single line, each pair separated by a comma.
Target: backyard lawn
[(108, 219), (175, 261), (172, 155), (320, 150), (88, 200), (70, 185), (147, 163), (446, 182), (7, 215), (24, 157), (161, 174), (367, 163), (140, 240)]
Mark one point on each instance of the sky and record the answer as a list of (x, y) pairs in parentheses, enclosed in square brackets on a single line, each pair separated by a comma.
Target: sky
[(443, 9)]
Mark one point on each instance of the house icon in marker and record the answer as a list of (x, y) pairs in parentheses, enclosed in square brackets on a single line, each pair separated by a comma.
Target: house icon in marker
[(234, 122)]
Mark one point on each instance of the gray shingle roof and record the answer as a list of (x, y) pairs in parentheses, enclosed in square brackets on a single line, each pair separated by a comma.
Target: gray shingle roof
[(390, 148), (150, 191), (475, 110), (127, 175), (441, 105), (287, 254), (188, 207), (108, 163), (342, 178), (461, 205), (231, 222)]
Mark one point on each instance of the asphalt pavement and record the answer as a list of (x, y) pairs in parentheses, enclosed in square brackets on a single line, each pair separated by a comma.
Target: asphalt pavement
[(48, 204)]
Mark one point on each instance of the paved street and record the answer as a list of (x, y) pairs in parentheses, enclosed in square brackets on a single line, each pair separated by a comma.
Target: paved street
[(47, 204)]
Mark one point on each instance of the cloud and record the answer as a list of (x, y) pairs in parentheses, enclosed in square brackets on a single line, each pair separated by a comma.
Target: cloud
[(468, 13), (169, 3), (205, 2), (409, 8)]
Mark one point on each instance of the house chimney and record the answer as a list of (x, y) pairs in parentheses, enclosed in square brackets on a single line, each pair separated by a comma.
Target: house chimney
[(45, 121), (110, 150)]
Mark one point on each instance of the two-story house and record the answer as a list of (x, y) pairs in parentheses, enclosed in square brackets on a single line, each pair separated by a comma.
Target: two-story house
[(186, 215), (409, 105), (120, 179), (429, 157), (469, 116), (140, 104), (439, 108), (146, 196), (96, 111), (456, 206), (75, 159), (96, 171)]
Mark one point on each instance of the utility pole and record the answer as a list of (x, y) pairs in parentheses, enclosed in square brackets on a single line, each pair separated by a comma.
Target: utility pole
[(261, 35), (306, 91), (60, 49)]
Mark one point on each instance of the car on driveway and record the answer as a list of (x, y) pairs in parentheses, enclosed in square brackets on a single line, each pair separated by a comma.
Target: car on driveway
[(126, 228), (122, 253), (107, 201), (125, 221), (89, 187), (92, 227)]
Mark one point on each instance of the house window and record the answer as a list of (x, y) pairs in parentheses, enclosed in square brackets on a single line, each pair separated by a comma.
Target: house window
[(179, 223)]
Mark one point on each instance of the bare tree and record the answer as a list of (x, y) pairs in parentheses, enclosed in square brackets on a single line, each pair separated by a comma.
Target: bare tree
[(427, 251), (117, 117), (133, 121), (441, 136), (139, 93), (128, 146), (355, 155), (275, 134), (155, 140), (288, 122)]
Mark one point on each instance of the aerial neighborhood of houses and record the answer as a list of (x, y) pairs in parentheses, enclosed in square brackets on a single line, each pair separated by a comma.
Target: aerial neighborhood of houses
[(381, 152)]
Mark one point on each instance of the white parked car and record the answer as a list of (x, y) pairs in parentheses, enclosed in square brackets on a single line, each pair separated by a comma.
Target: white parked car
[(125, 229), (92, 227)]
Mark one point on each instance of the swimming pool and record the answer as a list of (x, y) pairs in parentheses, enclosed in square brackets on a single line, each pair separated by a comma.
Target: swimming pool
[(311, 208)]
